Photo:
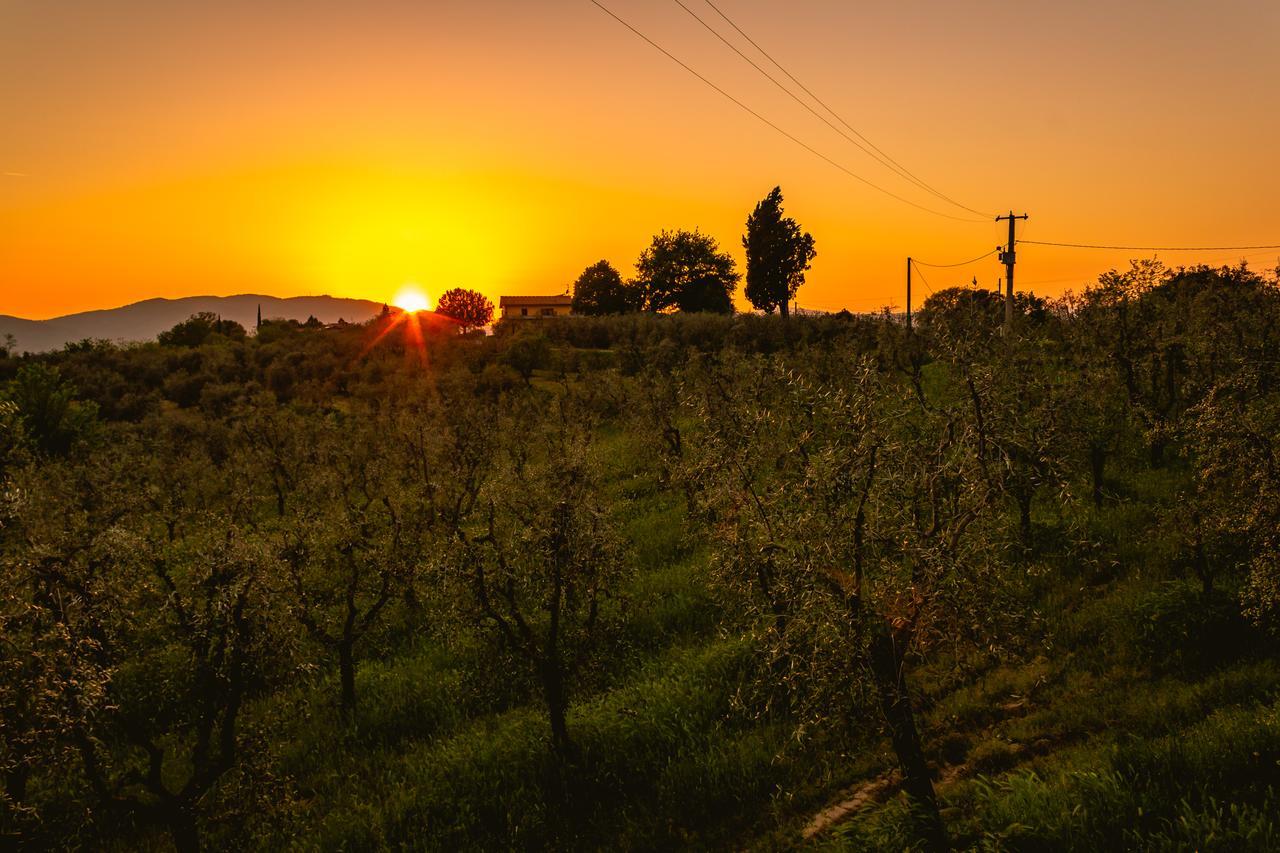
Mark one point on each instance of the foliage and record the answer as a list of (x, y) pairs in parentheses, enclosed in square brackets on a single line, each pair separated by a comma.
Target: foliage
[(743, 564), (470, 308), (778, 254), (600, 290), (44, 403), (686, 271), (542, 568), (1236, 498), (527, 353), (354, 538), (201, 328), (956, 313), (1182, 628), (859, 545)]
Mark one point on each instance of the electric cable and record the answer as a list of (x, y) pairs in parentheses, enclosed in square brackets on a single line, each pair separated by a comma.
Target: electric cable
[(775, 126), (1148, 248), (903, 170), (961, 264)]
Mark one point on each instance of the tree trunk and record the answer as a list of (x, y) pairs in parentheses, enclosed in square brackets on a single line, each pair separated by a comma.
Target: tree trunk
[(183, 830), (411, 599), (786, 309), (557, 697), (1202, 568), (1156, 452), (347, 669), (1097, 467), (1024, 515), (15, 783), (895, 704)]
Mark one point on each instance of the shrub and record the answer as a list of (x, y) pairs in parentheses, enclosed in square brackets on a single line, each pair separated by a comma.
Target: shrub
[(1178, 627)]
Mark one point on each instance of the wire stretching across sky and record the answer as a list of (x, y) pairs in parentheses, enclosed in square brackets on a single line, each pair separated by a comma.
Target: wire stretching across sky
[(806, 146), (952, 266), (1149, 248), (872, 152), (920, 273), (884, 158)]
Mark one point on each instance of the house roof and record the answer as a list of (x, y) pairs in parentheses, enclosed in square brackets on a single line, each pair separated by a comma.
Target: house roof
[(518, 301)]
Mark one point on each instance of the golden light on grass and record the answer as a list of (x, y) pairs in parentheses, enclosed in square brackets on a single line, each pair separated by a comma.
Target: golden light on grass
[(411, 298)]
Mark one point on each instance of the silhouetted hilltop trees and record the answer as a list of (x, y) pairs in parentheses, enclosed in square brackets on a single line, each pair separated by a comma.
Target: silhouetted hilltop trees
[(600, 290), (203, 326), (471, 309), (686, 271), (778, 255)]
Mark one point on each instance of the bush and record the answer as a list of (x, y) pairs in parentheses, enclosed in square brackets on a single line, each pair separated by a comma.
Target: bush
[(526, 354), (1178, 627)]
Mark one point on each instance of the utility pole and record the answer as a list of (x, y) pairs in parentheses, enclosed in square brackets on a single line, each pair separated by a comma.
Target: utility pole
[(908, 294), (1009, 257)]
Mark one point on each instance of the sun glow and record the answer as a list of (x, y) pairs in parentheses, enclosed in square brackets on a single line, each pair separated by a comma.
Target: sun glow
[(412, 299)]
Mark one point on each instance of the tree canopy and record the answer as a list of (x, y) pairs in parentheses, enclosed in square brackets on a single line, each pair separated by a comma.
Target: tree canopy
[(600, 290), (778, 254), (198, 328), (470, 308), (686, 271)]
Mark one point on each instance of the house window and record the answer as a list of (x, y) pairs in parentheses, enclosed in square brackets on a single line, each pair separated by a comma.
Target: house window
[(524, 312), (548, 312)]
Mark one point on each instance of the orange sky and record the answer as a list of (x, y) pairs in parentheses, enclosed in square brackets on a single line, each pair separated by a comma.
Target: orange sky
[(154, 148)]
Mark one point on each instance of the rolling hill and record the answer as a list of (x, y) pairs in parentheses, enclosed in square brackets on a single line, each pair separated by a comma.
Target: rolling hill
[(142, 321)]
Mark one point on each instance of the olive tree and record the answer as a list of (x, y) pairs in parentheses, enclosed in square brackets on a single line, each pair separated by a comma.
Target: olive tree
[(859, 530), (1234, 507), (353, 538), (165, 627), (538, 567)]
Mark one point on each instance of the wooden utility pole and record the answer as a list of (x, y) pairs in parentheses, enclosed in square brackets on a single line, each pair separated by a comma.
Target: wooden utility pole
[(1009, 257), (908, 294)]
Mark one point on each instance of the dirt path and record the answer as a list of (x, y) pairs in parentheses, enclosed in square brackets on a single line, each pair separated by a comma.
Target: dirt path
[(876, 791), (852, 800)]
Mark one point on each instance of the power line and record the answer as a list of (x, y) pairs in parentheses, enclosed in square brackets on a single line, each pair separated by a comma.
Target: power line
[(922, 278), (1150, 248), (876, 155), (961, 264), (902, 170), (806, 146)]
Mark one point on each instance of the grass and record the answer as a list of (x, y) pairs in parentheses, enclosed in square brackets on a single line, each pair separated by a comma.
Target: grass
[(1151, 722), (1146, 720)]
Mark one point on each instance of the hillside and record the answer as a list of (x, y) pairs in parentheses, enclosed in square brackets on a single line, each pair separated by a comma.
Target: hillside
[(142, 321), (655, 582)]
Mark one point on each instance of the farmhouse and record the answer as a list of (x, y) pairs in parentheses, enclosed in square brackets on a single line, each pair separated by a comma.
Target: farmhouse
[(535, 307)]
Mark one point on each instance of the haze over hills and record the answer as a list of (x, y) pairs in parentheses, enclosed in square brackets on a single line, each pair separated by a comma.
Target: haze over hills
[(142, 321)]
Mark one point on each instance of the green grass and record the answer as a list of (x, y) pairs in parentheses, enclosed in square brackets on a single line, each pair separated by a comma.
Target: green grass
[(1144, 718)]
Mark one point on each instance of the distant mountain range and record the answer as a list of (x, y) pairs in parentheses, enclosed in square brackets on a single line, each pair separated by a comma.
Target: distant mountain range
[(142, 321)]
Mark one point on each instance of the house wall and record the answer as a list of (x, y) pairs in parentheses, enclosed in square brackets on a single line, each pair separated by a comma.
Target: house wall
[(516, 312)]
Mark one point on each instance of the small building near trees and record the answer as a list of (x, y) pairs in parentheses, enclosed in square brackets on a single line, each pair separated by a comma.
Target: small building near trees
[(535, 307)]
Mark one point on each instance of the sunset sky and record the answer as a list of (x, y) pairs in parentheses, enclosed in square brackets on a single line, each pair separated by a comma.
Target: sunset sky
[(161, 148)]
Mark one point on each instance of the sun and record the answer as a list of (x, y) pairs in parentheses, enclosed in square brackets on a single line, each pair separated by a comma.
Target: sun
[(411, 298)]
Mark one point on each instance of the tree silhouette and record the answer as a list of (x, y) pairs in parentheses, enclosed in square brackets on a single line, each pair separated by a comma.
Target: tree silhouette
[(198, 328), (601, 290), (778, 253), (686, 271), (470, 308)]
